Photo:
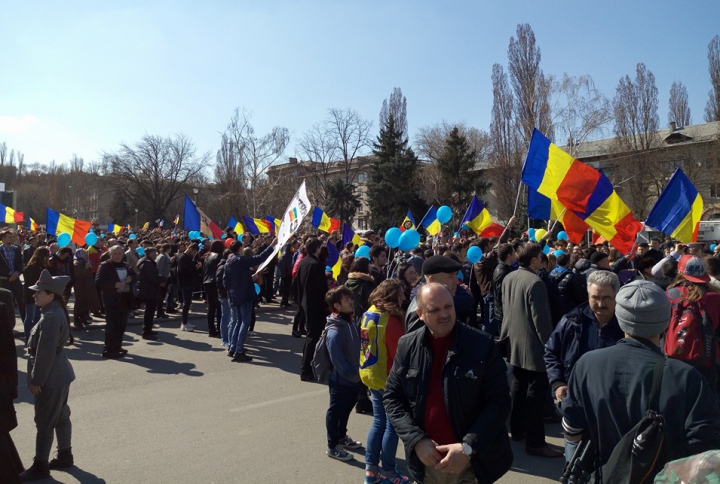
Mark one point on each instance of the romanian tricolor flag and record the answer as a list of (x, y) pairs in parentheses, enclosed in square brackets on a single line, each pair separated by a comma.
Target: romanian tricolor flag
[(236, 226), (195, 219), (349, 235), (321, 221), (274, 223), (431, 222), (581, 189), (408, 222), (541, 207), (58, 223), (11, 216), (257, 225), (678, 210), (477, 216), (114, 228), (146, 226), (32, 225), (293, 214), (177, 219), (334, 261)]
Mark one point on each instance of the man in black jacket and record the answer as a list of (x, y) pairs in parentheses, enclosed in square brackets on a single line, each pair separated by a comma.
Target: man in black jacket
[(506, 259), (447, 397), (11, 266), (114, 278), (186, 275), (312, 287), (148, 286)]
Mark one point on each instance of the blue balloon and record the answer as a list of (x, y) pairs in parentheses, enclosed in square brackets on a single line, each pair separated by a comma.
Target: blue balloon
[(460, 276), (223, 236), (562, 235), (409, 240), (456, 234), (63, 239), (328, 269), (465, 227), (140, 251), (546, 249), (444, 214), (392, 237), (102, 235), (559, 252), (257, 288), (362, 251), (91, 231), (474, 254), (531, 233), (132, 236), (91, 239)]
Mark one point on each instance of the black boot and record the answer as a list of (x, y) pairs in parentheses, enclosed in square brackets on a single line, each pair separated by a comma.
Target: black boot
[(39, 470), (63, 460)]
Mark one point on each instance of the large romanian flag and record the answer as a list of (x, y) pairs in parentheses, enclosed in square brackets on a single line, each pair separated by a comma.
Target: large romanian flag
[(58, 223), (581, 189), (541, 207), (678, 210), (274, 223), (349, 235), (431, 222), (195, 219), (321, 221), (11, 216)]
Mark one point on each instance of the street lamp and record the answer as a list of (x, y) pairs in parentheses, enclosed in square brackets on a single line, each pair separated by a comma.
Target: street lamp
[(195, 192), (136, 223)]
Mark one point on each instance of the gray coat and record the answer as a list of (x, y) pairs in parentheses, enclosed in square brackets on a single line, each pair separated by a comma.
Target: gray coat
[(48, 365), (527, 322)]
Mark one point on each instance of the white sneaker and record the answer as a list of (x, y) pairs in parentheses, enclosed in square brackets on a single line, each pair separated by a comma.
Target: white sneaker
[(187, 327)]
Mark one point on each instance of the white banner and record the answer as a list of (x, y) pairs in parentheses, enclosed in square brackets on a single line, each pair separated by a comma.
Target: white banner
[(294, 214)]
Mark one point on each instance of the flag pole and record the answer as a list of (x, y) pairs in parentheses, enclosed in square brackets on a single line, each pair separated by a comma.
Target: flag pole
[(557, 220), (517, 199)]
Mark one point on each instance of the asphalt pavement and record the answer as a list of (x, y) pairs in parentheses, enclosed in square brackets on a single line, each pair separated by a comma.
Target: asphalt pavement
[(177, 410)]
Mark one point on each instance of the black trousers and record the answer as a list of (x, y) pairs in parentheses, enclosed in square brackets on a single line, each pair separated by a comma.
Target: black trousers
[(213, 308), (527, 418), (314, 329), (16, 288), (149, 315), (285, 283), (342, 400), (299, 320), (268, 287), (116, 318), (161, 301)]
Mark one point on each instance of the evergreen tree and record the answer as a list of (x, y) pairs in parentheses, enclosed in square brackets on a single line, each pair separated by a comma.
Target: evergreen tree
[(342, 202), (391, 187), (456, 165)]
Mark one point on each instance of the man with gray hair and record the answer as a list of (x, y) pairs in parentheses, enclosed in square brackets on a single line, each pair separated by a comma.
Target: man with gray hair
[(609, 389), (588, 327)]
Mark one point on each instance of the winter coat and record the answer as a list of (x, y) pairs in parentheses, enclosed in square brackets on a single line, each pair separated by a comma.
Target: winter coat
[(477, 398), (48, 365), (572, 288), (501, 272), (210, 264), (106, 278), (86, 296), (149, 280), (361, 285), (312, 287), (238, 277)]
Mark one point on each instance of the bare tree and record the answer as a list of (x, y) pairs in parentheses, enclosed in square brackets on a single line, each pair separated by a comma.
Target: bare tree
[(679, 111), (505, 160), (155, 172), (244, 158), (712, 109), (329, 151), (531, 87), (397, 107), (636, 133), (580, 111)]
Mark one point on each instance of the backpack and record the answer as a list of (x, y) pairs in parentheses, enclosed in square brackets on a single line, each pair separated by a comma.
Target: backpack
[(690, 336), (373, 349), (640, 454), (321, 364)]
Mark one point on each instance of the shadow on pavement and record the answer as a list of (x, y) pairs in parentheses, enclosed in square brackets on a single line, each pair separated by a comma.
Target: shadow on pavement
[(281, 351), (538, 466), (82, 476)]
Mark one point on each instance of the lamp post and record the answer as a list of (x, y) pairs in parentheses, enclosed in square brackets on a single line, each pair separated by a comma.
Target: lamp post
[(136, 212), (195, 192)]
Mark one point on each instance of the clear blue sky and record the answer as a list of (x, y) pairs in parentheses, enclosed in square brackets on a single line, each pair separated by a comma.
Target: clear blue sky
[(81, 77)]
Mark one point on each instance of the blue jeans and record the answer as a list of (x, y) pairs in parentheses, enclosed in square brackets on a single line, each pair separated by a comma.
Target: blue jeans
[(382, 438), (239, 325), (32, 316), (570, 448), (224, 321), (342, 401)]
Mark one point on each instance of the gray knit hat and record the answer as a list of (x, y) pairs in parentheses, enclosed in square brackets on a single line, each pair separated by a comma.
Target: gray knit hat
[(642, 309)]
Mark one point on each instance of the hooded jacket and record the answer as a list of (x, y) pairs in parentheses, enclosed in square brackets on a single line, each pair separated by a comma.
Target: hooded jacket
[(361, 285)]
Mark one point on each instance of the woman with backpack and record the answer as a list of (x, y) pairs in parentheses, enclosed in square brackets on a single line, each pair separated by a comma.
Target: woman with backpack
[(693, 300), (380, 330)]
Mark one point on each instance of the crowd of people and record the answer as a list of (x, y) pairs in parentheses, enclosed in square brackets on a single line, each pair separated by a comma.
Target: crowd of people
[(423, 340)]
